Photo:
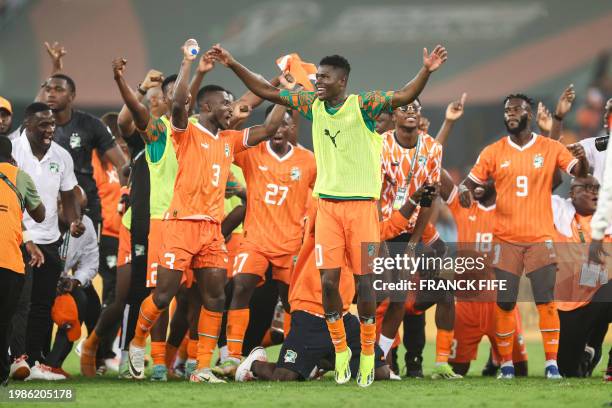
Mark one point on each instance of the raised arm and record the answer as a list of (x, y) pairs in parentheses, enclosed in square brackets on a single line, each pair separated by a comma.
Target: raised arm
[(180, 114), (56, 53), (255, 82), (205, 65), (563, 107), (136, 111), (413, 89), (453, 112)]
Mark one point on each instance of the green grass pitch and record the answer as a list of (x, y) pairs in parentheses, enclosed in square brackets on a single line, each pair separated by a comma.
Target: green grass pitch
[(474, 391)]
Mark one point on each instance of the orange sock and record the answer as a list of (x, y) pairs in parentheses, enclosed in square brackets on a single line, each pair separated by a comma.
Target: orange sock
[(170, 355), (208, 334), (338, 334), (146, 319), (368, 338), (505, 323), (444, 341), (267, 339), (549, 328), (192, 349), (182, 350), (286, 324), (158, 352), (88, 355), (237, 323)]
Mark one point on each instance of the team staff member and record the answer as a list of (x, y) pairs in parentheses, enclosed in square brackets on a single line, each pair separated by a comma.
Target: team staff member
[(51, 169), (6, 119), (79, 133), (17, 192)]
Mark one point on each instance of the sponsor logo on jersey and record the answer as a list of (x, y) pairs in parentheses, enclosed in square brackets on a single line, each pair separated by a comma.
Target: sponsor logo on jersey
[(263, 168), (504, 164)]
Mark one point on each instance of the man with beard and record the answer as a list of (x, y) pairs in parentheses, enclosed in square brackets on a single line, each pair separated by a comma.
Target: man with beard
[(522, 166)]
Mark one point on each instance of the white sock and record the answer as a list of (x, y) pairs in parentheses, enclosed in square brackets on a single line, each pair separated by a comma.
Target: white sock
[(550, 363), (223, 353), (124, 356), (385, 344), (507, 364)]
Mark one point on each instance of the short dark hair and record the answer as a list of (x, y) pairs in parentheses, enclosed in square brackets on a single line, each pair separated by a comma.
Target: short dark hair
[(6, 148), (208, 89), (33, 108), (169, 79), (337, 61), (68, 80), (524, 97), (110, 120)]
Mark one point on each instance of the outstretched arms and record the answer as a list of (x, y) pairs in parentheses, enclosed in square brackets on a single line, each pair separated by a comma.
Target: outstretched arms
[(180, 114), (412, 89)]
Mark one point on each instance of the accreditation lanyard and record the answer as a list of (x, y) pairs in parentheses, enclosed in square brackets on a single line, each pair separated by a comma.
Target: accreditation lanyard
[(402, 192)]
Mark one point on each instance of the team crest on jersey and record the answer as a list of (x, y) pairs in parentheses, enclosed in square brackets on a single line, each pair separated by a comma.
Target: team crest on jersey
[(295, 173), (538, 161), (54, 167), (75, 141), (139, 250), (111, 261), (422, 160), (227, 150), (290, 356)]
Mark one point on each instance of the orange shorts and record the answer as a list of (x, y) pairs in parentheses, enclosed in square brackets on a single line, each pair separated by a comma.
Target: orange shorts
[(192, 244), (342, 228), (233, 247), (430, 234), (519, 258), (124, 254), (474, 320), (153, 255), (251, 259)]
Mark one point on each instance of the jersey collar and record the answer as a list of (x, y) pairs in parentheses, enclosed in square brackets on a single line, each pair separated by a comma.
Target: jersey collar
[(527, 145), (203, 129), (273, 153)]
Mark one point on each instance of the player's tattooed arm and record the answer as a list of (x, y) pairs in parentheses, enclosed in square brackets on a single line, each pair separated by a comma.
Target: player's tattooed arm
[(255, 82), (412, 89), (454, 111), (180, 100)]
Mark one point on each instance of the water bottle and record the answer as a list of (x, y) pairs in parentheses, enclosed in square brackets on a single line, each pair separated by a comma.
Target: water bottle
[(193, 48)]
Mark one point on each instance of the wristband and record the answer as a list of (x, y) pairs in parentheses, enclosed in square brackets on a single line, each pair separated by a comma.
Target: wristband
[(557, 117), (26, 236)]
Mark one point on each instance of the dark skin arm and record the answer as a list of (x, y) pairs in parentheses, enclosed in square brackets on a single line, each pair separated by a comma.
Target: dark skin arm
[(413, 89), (38, 213), (205, 65), (453, 112), (581, 168), (446, 185), (72, 212), (138, 113), (233, 220), (258, 134), (180, 115)]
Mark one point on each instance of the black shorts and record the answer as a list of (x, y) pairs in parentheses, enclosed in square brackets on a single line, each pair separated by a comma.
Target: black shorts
[(309, 342)]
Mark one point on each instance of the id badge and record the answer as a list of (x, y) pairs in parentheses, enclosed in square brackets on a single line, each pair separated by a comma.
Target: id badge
[(589, 275), (400, 198)]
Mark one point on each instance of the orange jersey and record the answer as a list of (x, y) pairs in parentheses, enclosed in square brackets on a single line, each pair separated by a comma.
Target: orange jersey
[(109, 191), (523, 179), (474, 224), (401, 168), (277, 196), (305, 291), (204, 165)]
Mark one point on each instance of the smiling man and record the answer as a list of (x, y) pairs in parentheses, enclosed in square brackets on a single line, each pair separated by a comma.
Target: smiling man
[(347, 151)]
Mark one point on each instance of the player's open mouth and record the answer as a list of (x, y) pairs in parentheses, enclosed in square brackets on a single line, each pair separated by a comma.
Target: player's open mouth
[(47, 139), (321, 91)]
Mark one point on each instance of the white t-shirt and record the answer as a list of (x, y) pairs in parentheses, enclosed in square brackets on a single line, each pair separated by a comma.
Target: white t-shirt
[(52, 174), (82, 254), (597, 159)]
